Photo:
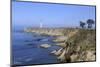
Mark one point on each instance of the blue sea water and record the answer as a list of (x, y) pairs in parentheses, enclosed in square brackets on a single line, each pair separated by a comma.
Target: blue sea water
[(26, 48)]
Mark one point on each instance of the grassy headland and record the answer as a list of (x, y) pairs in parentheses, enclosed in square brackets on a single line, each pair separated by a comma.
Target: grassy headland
[(76, 44)]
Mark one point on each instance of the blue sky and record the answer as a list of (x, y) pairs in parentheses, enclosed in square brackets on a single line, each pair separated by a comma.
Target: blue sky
[(51, 15)]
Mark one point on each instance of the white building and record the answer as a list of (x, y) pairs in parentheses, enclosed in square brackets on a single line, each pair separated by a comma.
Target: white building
[(41, 25)]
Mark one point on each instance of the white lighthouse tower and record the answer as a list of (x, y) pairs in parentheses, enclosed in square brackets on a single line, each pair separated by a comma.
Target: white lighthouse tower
[(41, 25)]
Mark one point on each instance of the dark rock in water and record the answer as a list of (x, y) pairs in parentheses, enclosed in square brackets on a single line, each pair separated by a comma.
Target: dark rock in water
[(32, 45), (44, 40), (37, 39), (29, 44), (28, 41)]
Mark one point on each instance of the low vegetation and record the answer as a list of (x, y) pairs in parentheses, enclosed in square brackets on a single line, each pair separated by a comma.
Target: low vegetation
[(82, 45)]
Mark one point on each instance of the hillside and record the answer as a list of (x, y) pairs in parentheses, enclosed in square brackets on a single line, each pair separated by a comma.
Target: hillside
[(82, 45)]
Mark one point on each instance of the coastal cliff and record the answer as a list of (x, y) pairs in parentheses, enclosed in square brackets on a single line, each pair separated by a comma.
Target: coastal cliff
[(76, 44)]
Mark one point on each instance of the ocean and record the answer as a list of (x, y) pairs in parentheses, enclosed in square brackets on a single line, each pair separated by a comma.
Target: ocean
[(26, 48)]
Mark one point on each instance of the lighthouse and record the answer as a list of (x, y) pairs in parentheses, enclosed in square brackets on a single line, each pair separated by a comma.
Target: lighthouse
[(41, 25)]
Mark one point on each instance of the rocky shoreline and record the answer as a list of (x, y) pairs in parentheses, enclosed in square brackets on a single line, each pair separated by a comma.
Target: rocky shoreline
[(67, 52)]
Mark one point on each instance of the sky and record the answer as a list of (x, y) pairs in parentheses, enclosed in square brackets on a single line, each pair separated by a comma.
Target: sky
[(31, 14)]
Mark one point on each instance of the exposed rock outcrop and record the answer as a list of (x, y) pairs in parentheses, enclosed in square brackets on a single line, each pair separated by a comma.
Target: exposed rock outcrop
[(45, 45), (55, 52)]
